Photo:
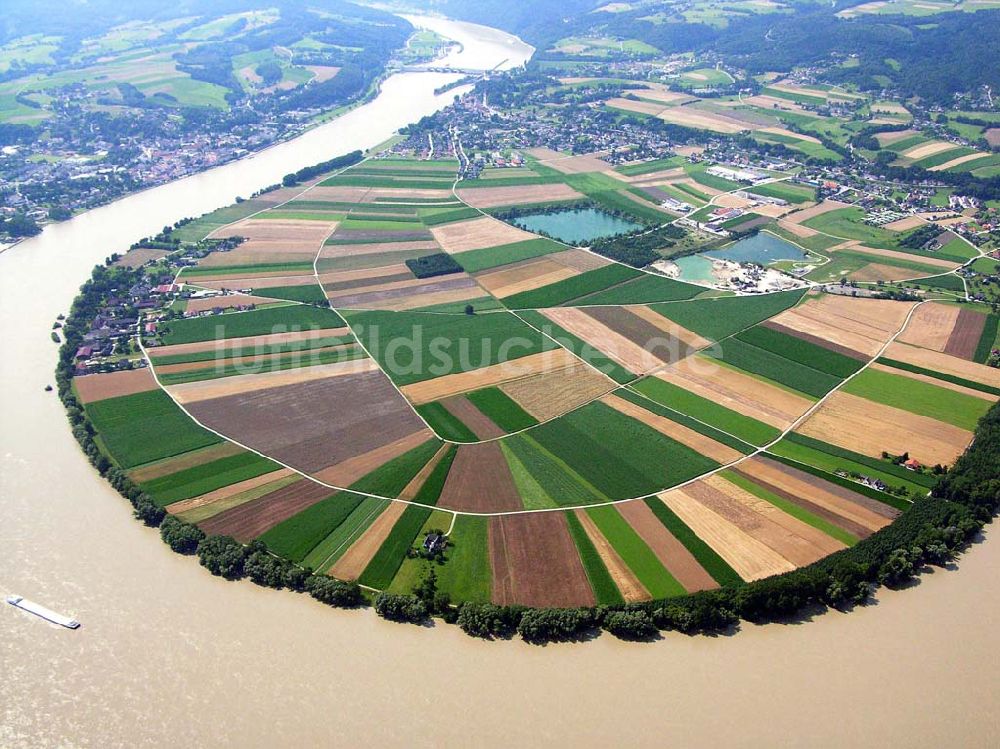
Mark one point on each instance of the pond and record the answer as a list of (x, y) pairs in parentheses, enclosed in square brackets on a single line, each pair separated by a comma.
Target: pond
[(695, 269), (762, 248), (576, 225)]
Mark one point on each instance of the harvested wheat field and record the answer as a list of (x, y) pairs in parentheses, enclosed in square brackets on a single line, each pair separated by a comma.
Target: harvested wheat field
[(477, 234), (257, 282), (524, 276), (870, 428), (773, 102), (927, 149), (931, 326), (737, 391), (799, 230), (961, 159), (393, 294), (495, 374), (954, 387), (964, 338), (227, 301), (874, 272), (616, 346), (360, 553), (641, 107), (819, 209), (855, 513), (251, 519), (624, 579), (816, 340), (139, 256), (319, 423), (799, 543), (554, 393), (861, 325), (672, 553), (578, 259), (702, 120), (904, 224), (751, 559), (698, 442), (941, 362), (96, 387), (495, 197), (668, 327), (267, 234), (582, 164), (535, 562), (480, 481)]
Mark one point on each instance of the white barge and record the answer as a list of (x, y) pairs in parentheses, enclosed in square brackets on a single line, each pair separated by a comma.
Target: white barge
[(39, 610)]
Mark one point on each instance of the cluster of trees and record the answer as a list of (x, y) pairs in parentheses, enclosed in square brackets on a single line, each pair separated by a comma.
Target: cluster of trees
[(19, 225), (307, 173), (429, 266), (638, 248)]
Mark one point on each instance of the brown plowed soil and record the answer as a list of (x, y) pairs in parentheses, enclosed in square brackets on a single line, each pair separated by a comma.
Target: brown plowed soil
[(964, 338), (535, 562), (667, 348), (481, 425), (315, 424), (246, 522), (480, 481), (348, 471), (672, 553), (97, 387)]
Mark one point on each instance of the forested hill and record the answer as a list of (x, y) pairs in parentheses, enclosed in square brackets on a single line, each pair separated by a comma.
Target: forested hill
[(927, 56)]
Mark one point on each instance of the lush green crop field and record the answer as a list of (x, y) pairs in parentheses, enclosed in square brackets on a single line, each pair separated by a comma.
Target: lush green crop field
[(786, 191), (258, 322), (801, 351), (446, 216), (690, 422), (743, 427), (310, 293), (944, 376), (848, 539), (605, 590), (578, 346), (207, 477), (384, 565), (491, 257), (899, 503), (635, 553), (466, 576), (414, 346), (646, 289), (300, 534), (647, 167), (144, 427), (713, 564), (326, 553), (276, 348), (544, 479), (618, 455), (501, 409), (919, 397), (987, 341), (848, 223), (719, 317), (571, 289), (736, 353), (447, 426), (949, 282)]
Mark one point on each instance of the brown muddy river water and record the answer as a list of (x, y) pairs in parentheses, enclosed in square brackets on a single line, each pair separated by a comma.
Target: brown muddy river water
[(169, 655)]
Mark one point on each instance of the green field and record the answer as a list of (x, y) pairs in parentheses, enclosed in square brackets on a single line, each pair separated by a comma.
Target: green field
[(413, 346), (786, 191), (501, 409), (447, 426), (800, 351), (309, 294), (618, 455), (207, 477), (742, 427), (144, 427), (919, 397), (646, 289), (605, 591), (294, 360), (544, 479), (713, 564), (326, 553), (719, 317), (242, 324), (635, 553), (578, 346), (274, 348), (491, 257)]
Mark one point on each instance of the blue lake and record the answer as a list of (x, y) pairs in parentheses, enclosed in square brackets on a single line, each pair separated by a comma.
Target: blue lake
[(695, 268), (761, 248), (576, 226)]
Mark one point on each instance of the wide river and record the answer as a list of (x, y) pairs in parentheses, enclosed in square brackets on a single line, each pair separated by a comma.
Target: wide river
[(170, 656)]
